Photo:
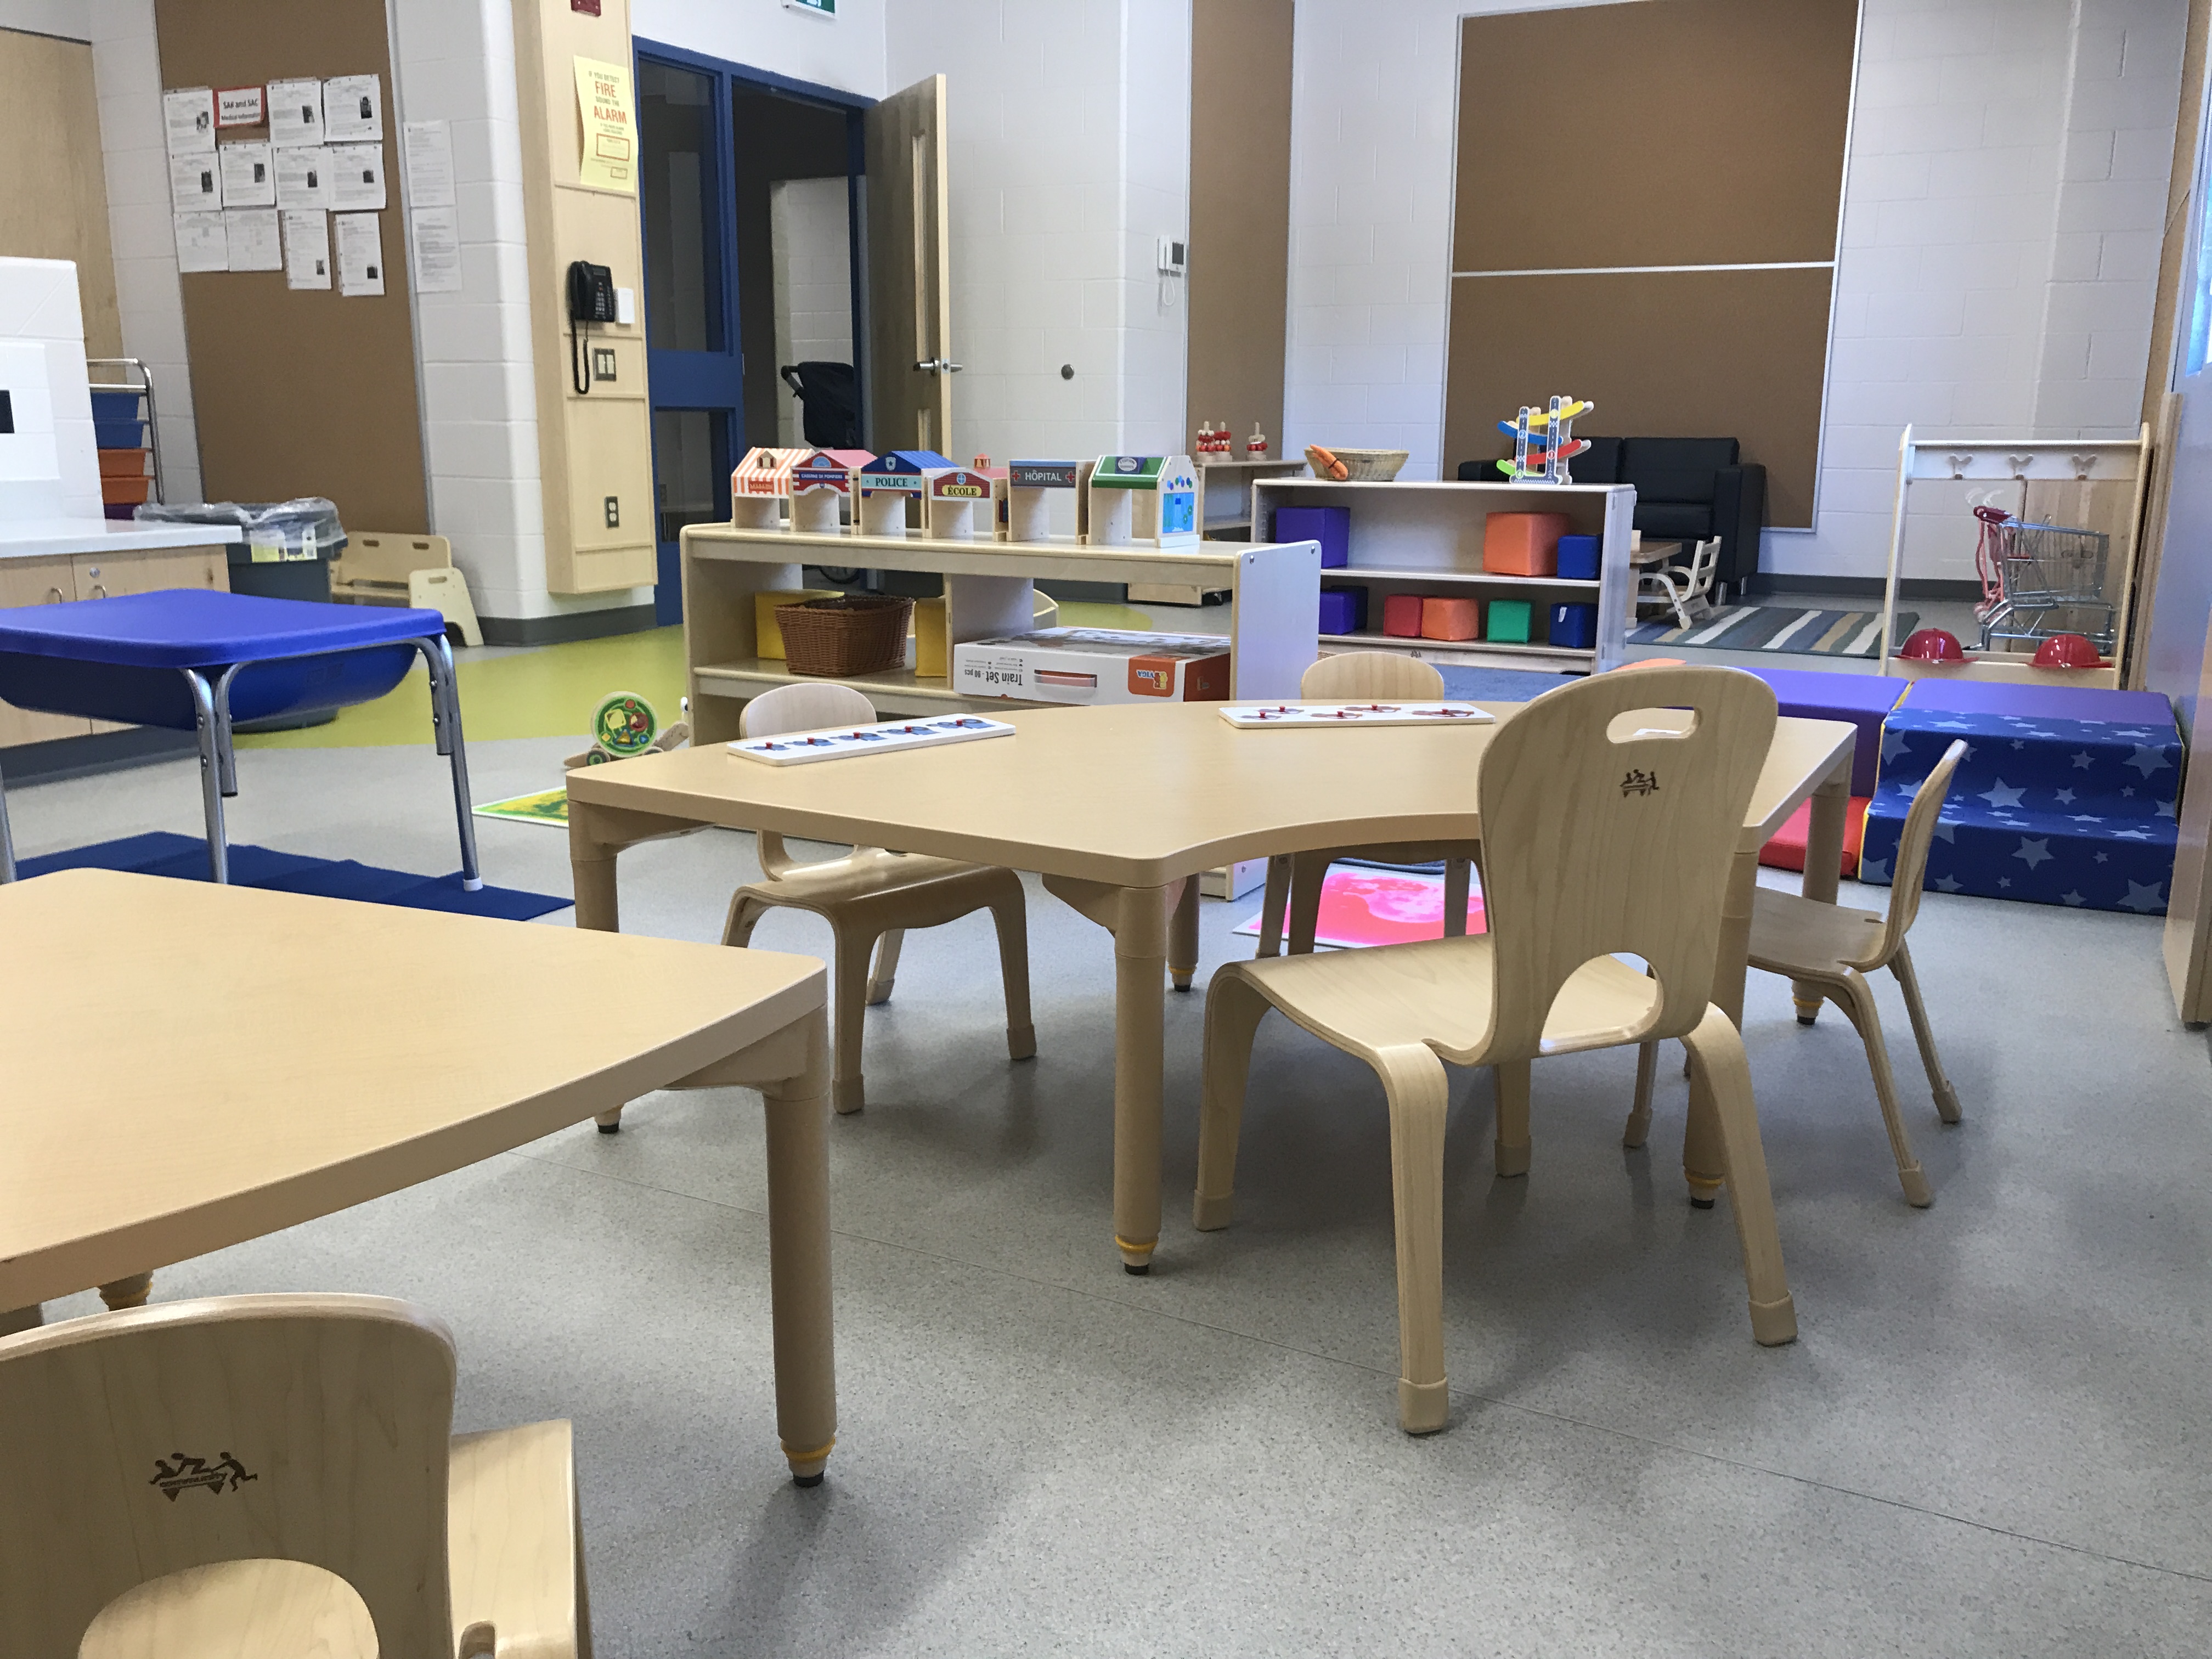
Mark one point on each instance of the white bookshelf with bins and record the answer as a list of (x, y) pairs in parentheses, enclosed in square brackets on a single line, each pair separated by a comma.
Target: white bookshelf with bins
[(1427, 538)]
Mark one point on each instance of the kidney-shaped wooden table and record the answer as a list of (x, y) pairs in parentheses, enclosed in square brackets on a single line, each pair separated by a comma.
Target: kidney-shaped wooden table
[(1120, 808), (188, 1066)]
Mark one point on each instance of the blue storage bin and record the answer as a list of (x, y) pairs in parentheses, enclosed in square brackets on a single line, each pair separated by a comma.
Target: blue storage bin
[(1578, 558), (1329, 526), (119, 435), (115, 406), (1575, 626), (1344, 611)]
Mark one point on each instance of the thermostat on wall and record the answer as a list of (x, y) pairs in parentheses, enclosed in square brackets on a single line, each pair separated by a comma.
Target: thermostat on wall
[(1171, 257)]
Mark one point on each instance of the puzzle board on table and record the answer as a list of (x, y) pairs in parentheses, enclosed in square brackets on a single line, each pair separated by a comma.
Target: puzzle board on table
[(1278, 716), (838, 742)]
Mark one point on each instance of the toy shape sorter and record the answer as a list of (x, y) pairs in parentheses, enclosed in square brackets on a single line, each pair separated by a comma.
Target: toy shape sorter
[(2067, 794), (1544, 441), (824, 484), (759, 485), (1151, 499), (889, 482), (1029, 488), (963, 504)]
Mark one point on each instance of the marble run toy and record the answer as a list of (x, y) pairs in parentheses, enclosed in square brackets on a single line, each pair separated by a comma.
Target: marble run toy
[(1544, 441)]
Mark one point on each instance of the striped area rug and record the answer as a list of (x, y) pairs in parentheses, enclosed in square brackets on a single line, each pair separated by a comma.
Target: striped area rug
[(1778, 627)]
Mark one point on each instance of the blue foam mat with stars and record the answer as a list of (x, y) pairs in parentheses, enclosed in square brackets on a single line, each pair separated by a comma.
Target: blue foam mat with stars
[(2077, 812)]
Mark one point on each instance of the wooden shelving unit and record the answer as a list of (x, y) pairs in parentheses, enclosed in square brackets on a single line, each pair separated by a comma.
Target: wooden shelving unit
[(1274, 601), (1427, 538)]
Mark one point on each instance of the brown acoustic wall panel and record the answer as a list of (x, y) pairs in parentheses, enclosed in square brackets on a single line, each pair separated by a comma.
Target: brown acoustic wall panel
[(301, 392), (1662, 132), (1240, 213), (1693, 354)]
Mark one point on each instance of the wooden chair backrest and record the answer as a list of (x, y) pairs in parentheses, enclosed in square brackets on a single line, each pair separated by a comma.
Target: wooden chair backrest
[(305, 1428), (1603, 836), (1910, 867), (1353, 674), (1044, 610), (802, 706), (1705, 560), (374, 555)]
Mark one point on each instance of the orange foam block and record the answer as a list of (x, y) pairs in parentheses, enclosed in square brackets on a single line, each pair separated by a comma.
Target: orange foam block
[(1523, 544), (1785, 849), (1451, 619)]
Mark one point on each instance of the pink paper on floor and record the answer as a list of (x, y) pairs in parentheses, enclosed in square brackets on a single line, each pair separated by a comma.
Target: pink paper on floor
[(1362, 906)]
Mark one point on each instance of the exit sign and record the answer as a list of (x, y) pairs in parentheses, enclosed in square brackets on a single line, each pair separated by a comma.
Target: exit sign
[(819, 7)]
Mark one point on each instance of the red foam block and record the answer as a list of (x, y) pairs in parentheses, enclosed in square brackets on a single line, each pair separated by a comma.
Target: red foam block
[(1785, 849)]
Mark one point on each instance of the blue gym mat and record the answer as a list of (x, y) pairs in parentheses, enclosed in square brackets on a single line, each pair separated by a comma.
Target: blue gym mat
[(162, 853), (1498, 684)]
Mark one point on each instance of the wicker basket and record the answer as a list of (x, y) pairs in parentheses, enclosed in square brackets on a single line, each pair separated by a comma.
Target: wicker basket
[(1359, 465), (863, 635)]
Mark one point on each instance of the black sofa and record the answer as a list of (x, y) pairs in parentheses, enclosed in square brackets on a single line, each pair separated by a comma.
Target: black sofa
[(1687, 489)]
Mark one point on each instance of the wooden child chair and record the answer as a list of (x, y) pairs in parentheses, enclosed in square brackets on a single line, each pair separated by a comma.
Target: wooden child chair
[(1295, 879), (1686, 589), (1600, 834), (272, 1476), (380, 569), (1828, 950), (870, 897)]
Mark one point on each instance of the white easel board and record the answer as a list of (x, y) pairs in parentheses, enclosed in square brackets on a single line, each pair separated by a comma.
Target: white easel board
[(1279, 716), (838, 742)]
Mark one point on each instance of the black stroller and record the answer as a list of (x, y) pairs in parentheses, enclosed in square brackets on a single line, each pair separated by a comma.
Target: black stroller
[(829, 396)]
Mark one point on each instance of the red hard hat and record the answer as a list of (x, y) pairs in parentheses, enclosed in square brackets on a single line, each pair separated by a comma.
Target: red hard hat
[(2068, 651), (1934, 645)]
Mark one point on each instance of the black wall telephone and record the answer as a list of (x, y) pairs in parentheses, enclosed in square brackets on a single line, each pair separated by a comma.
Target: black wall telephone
[(591, 300)]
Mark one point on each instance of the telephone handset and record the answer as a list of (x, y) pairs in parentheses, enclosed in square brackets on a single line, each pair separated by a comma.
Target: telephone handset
[(591, 300)]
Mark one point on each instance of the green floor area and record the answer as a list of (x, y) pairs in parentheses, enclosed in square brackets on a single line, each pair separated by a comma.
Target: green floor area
[(551, 691)]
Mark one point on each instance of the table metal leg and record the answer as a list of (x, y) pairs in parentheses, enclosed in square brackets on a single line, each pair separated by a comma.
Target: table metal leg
[(7, 841), (446, 726), (1138, 917), (210, 775)]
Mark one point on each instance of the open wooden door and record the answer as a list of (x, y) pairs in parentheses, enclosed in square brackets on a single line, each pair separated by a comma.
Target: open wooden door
[(910, 366)]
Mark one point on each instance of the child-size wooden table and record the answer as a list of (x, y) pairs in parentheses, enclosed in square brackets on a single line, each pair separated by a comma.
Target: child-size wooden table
[(1120, 808), (361, 1049)]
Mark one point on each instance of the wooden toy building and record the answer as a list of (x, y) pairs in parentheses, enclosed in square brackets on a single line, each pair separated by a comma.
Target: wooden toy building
[(889, 482), (1151, 499), (1030, 486), (759, 485), (963, 504), (824, 485)]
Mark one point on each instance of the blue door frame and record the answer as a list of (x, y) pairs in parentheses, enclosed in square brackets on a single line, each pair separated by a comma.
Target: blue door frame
[(713, 381)]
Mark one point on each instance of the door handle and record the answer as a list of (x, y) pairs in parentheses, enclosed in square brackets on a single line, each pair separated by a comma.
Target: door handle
[(940, 365)]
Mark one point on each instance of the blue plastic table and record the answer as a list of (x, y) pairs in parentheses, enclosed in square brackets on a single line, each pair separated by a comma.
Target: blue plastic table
[(191, 660)]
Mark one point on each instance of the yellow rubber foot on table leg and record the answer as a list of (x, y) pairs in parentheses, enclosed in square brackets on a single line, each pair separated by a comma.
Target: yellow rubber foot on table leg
[(806, 1466), (1181, 981), (1135, 1258), (610, 1122), (1703, 1192), (1423, 1407), (129, 1292)]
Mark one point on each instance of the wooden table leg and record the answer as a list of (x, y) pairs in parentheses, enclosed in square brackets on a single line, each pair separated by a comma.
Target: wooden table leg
[(1824, 861), (1183, 937), (1138, 917), (13, 1320), (1734, 961), (597, 835), (798, 1259)]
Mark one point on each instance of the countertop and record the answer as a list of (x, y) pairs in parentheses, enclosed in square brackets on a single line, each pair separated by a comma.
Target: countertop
[(33, 538)]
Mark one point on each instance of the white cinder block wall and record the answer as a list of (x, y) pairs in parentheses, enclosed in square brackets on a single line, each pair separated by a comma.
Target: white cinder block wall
[(809, 230), (2004, 197), (1068, 153)]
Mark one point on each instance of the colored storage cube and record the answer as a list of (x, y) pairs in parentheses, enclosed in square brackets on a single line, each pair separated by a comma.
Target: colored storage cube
[(1344, 611), (767, 636), (1523, 544), (932, 657), (1401, 615), (1329, 526), (1509, 618), (1575, 625), (1451, 619), (1578, 558)]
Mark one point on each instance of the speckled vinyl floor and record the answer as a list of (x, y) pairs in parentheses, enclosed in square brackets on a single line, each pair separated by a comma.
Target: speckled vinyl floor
[(1989, 1439)]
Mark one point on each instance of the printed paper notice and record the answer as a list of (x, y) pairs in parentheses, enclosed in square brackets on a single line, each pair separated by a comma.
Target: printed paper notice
[(195, 183), (436, 232), (188, 119), (202, 242), (296, 113), (240, 107), (303, 178), (429, 164), (608, 161), (249, 175), (253, 234), (361, 253), (306, 250), (357, 177), (353, 109)]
